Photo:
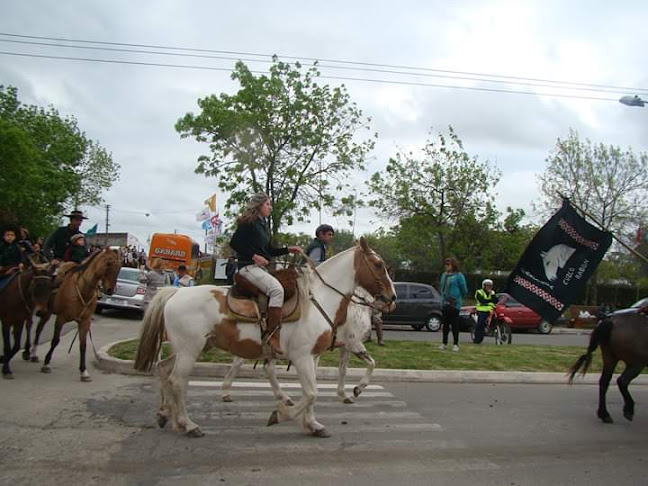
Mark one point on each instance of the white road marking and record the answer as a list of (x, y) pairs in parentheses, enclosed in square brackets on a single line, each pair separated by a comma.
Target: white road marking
[(265, 384)]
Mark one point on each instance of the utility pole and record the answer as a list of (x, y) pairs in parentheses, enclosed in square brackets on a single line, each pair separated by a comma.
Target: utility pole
[(107, 222)]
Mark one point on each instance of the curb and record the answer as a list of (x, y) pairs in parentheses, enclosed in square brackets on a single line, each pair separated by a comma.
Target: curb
[(108, 364)]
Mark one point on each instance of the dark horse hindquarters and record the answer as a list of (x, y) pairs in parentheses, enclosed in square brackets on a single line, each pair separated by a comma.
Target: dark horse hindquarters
[(622, 337)]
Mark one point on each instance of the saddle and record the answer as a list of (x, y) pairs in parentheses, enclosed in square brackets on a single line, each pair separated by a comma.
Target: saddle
[(246, 302)]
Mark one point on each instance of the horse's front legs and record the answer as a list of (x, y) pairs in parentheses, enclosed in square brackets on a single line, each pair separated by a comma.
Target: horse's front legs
[(271, 372), (629, 374), (178, 379), (342, 371), (306, 371), (27, 351), (39, 329), (84, 329), (364, 381), (6, 348), (58, 325)]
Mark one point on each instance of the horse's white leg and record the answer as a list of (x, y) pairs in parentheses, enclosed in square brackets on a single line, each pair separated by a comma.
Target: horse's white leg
[(271, 373), (342, 371), (226, 387), (178, 379), (371, 364), (306, 372), (165, 411)]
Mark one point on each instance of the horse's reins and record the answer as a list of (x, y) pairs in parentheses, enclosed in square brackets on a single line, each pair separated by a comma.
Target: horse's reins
[(362, 301)]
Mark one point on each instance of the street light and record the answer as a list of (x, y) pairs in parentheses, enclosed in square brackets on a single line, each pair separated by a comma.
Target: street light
[(632, 101)]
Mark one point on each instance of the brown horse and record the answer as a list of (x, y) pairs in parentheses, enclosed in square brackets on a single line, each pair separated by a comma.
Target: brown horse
[(29, 291), (622, 337), (76, 299)]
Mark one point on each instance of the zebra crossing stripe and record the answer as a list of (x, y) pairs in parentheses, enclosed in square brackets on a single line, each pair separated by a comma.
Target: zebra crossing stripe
[(265, 384), (269, 393), (336, 430)]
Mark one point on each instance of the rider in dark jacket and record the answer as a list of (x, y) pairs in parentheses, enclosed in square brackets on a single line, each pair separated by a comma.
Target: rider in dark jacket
[(59, 240)]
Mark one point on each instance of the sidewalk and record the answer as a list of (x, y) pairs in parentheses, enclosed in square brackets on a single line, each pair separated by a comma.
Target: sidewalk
[(109, 364)]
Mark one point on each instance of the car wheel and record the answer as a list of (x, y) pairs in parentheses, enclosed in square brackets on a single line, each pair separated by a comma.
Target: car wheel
[(417, 327), (545, 327), (433, 323)]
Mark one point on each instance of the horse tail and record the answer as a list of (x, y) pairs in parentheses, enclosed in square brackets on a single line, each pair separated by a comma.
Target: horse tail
[(600, 335), (153, 330)]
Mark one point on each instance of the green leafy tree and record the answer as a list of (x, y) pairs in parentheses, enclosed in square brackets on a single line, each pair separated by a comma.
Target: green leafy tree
[(605, 181), (46, 164), (433, 194), (282, 134)]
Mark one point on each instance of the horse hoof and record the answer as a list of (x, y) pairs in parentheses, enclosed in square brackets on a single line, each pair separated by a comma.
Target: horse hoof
[(162, 421), (46, 369), (227, 399), (195, 433), (86, 379), (348, 400), (321, 433), (607, 419), (628, 415), (274, 419), (8, 376), (357, 391), (34, 359), (25, 356), (1, 359)]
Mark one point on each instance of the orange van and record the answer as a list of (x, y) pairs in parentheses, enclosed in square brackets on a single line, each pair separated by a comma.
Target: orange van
[(175, 250)]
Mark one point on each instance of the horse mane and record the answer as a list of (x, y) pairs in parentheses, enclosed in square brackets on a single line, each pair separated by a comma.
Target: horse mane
[(86, 263)]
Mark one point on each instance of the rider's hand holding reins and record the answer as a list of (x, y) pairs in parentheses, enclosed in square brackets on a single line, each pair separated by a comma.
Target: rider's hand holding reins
[(259, 260)]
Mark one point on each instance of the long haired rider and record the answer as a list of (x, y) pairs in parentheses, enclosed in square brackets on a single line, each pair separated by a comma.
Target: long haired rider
[(251, 242)]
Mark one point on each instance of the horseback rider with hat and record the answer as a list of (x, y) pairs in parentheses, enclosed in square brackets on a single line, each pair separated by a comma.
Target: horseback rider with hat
[(58, 242), (251, 242)]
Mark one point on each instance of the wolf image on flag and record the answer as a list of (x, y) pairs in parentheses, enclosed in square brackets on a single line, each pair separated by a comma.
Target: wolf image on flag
[(556, 265)]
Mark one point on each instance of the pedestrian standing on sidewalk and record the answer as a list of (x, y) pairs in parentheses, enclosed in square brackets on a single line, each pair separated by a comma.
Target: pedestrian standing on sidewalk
[(153, 279), (453, 288)]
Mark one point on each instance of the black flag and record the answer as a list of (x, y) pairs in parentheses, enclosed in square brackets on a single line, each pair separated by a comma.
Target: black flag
[(558, 262)]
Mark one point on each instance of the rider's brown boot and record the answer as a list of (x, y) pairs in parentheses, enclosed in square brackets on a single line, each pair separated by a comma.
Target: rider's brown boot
[(273, 326)]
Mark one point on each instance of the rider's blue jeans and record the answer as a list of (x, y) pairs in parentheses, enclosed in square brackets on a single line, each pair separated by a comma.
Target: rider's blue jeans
[(482, 318)]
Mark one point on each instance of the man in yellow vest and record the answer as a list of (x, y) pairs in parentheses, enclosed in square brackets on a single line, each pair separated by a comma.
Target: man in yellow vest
[(486, 301)]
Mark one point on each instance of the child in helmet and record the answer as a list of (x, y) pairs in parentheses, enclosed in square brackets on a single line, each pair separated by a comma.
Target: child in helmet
[(486, 301)]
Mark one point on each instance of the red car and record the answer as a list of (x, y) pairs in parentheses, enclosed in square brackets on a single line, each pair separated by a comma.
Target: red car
[(519, 316)]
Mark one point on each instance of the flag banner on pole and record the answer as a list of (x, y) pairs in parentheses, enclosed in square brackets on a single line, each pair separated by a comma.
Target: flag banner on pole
[(202, 215), (558, 262), (211, 203), (206, 225), (93, 230)]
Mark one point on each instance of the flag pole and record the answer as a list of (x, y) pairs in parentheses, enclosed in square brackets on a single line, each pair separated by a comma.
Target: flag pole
[(622, 243)]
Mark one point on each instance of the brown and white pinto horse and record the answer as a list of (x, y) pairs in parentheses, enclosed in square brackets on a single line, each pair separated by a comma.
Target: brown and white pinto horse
[(76, 299), (195, 319), (351, 333), (28, 292)]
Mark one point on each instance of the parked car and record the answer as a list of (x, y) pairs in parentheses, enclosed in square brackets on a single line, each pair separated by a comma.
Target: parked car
[(521, 316), (417, 305), (129, 292), (633, 308)]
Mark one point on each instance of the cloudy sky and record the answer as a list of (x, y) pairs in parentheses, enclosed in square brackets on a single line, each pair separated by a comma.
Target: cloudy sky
[(131, 108)]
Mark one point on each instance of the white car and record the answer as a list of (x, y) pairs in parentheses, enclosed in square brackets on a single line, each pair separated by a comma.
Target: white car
[(129, 292)]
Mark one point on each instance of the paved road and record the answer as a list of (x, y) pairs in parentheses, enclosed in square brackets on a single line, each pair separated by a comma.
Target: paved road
[(104, 433)]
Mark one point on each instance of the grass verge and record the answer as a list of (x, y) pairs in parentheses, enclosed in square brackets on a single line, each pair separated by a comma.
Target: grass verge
[(425, 356)]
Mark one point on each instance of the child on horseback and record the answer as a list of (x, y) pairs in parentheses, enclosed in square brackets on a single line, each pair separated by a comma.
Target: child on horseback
[(251, 242), (10, 255), (77, 251)]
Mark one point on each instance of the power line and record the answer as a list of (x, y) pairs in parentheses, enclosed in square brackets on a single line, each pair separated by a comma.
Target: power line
[(338, 61), (341, 78), (472, 77)]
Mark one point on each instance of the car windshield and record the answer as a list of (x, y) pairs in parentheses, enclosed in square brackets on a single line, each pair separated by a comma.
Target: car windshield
[(640, 303), (130, 274)]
